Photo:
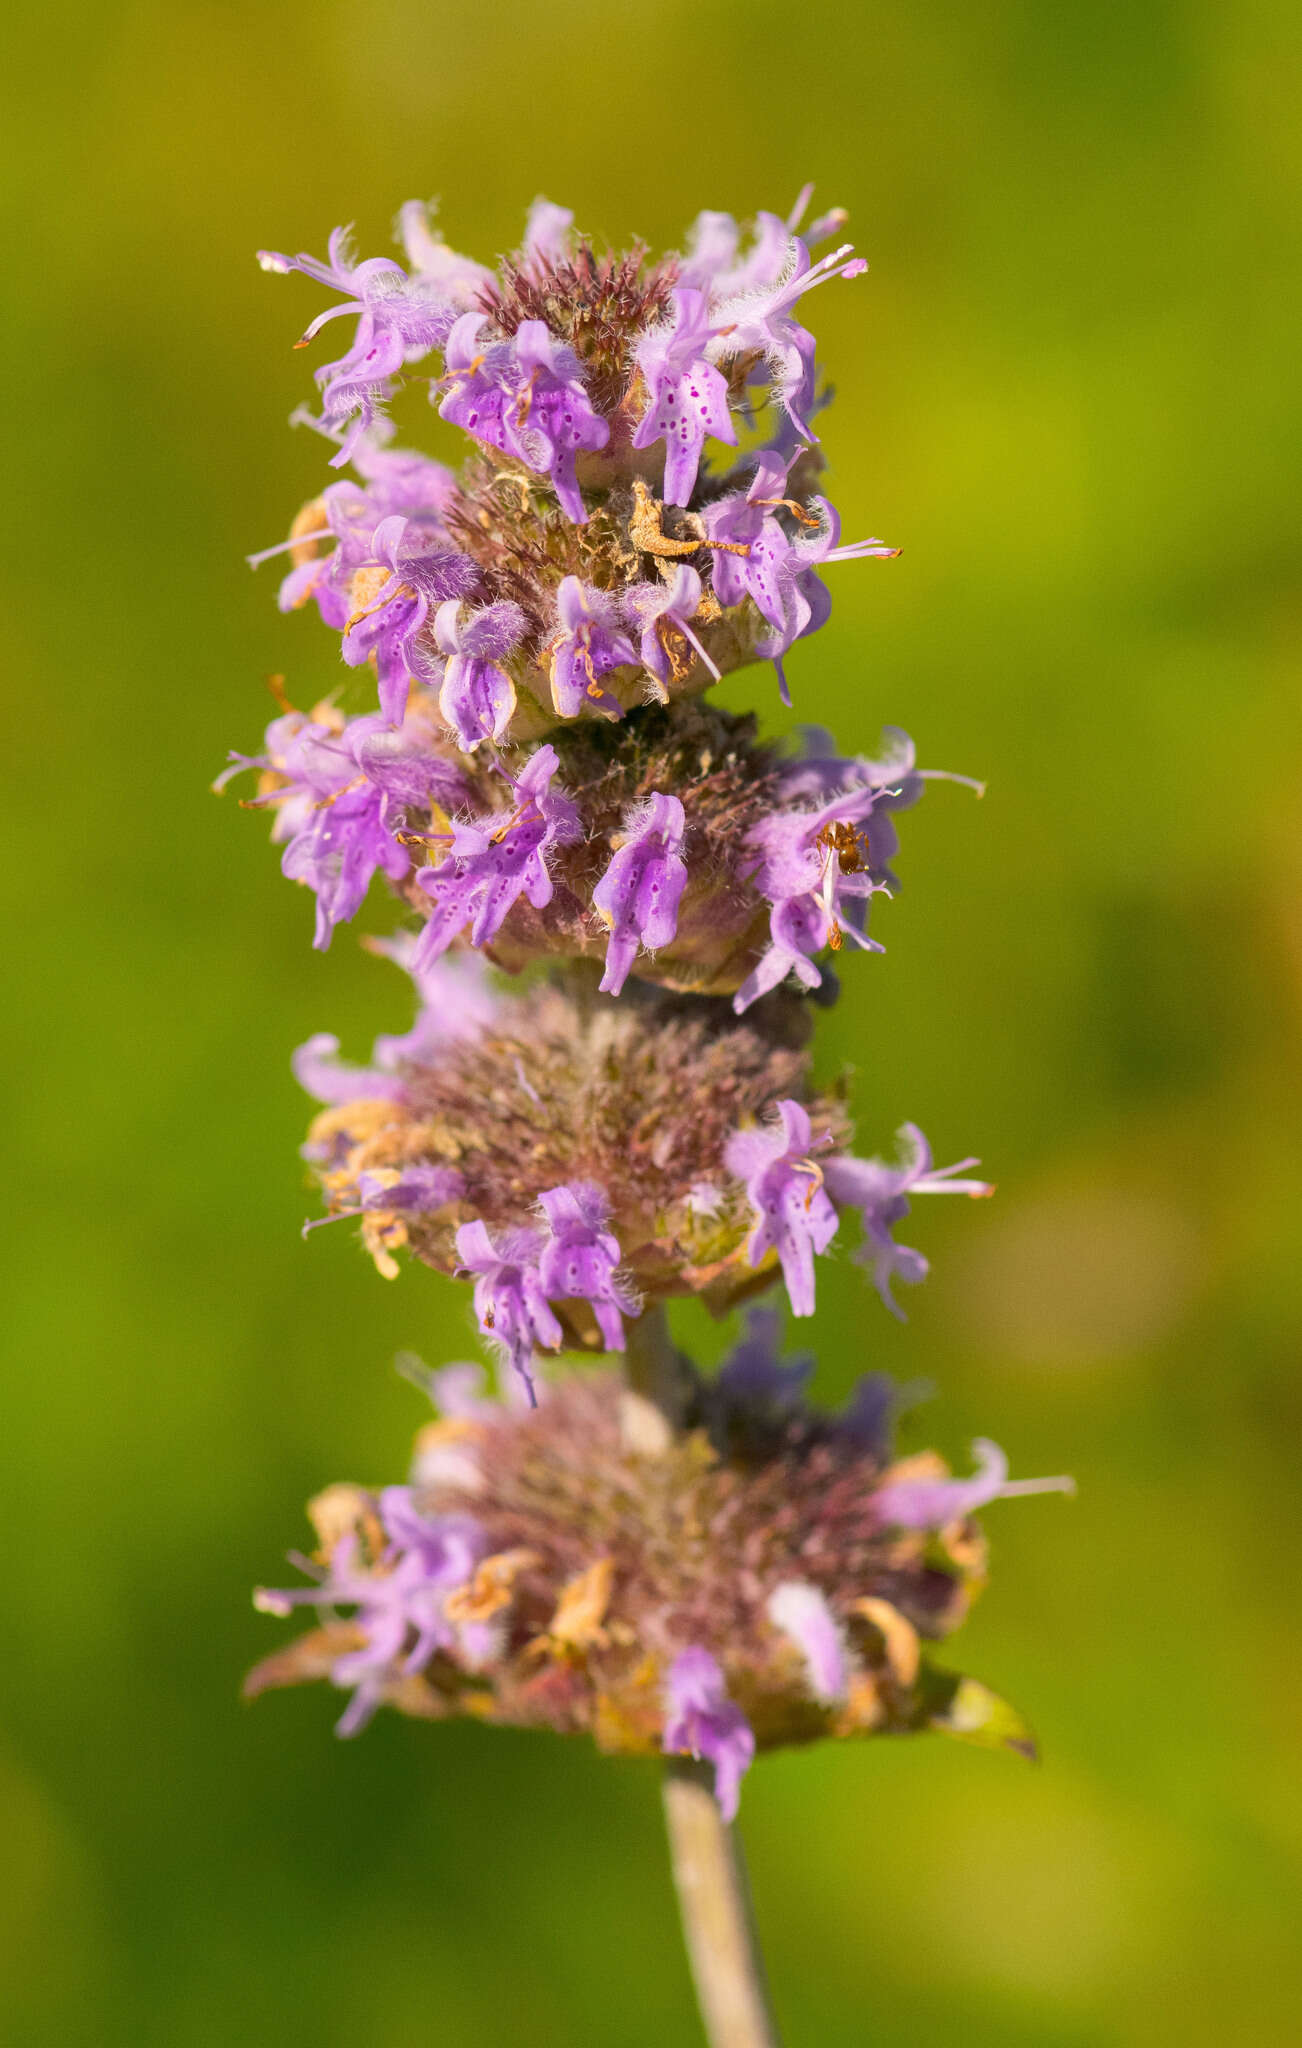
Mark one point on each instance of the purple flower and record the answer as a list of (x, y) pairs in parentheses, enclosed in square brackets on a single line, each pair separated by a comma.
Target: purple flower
[(580, 1259), (494, 861), (639, 893), (547, 233), (759, 321), (779, 570), (343, 796), (934, 1503), (812, 867), (753, 1377), (398, 321), (802, 1613), (415, 1191), (687, 398), (455, 281), (881, 1195), (426, 1558), (510, 1300), (526, 397), (661, 609), (477, 698), (703, 1722), (590, 643), (388, 623), (785, 1185)]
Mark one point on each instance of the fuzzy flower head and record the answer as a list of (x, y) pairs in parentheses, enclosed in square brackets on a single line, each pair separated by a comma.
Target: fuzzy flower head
[(559, 1567)]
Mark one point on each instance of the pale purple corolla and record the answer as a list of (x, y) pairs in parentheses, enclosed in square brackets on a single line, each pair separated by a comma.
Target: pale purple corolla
[(639, 894), (934, 1503), (386, 626), (527, 397), (687, 398), (400, 1602), (784, 1184), (811, 868), (399, 319), (477, 696), (494, 860), (880, 1192), (754, 1379), (511, 1303), (758, 320), (547, 233), (661, 608), (342, 800), (702, 1721), (408, 1191), (456, 1003), (780, 570), (455, 280), (580, 1257), (589, 642), (802, 1613)]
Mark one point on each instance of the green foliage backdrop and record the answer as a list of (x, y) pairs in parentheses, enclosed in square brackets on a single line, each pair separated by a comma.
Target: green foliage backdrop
[(1067, 389)]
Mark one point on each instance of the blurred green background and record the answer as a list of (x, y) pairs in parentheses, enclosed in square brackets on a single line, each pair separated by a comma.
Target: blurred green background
[(1067, 388)]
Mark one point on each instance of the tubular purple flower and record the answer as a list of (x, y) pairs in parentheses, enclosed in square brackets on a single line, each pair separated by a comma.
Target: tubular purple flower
[(456, 281), (639, 893), (702, 1721), (687, 398), (753, 1377), (386, 626), (548, 232), (491, 864), (580, 1259), (589, 643), (477, 697), (881, 1195), (526, 397), (510, 1300), (935, 1503), (784, 1184), (802, 1613), (759, 319), (812, 867), (657, 606)]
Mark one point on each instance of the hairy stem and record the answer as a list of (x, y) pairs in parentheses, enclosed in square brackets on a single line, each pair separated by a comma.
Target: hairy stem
[(655, 1368), (718, 1924)]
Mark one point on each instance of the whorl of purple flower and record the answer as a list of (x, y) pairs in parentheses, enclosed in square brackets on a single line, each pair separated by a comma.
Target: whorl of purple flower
[(399, 318), (527, 397), (881, 1195), (802, 1613), (477, 696), (934, 1503), (687, 398), (639, 894), (425, 1559), (387, 624), (811, 867), (784, 1184), (510, 1299), (492, 862), (589, 642), (674, 603), (703, 1722), (579, 1260)]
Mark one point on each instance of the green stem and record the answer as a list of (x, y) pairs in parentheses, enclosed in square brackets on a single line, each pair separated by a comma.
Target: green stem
[(718, 1922), (655, 1368)]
